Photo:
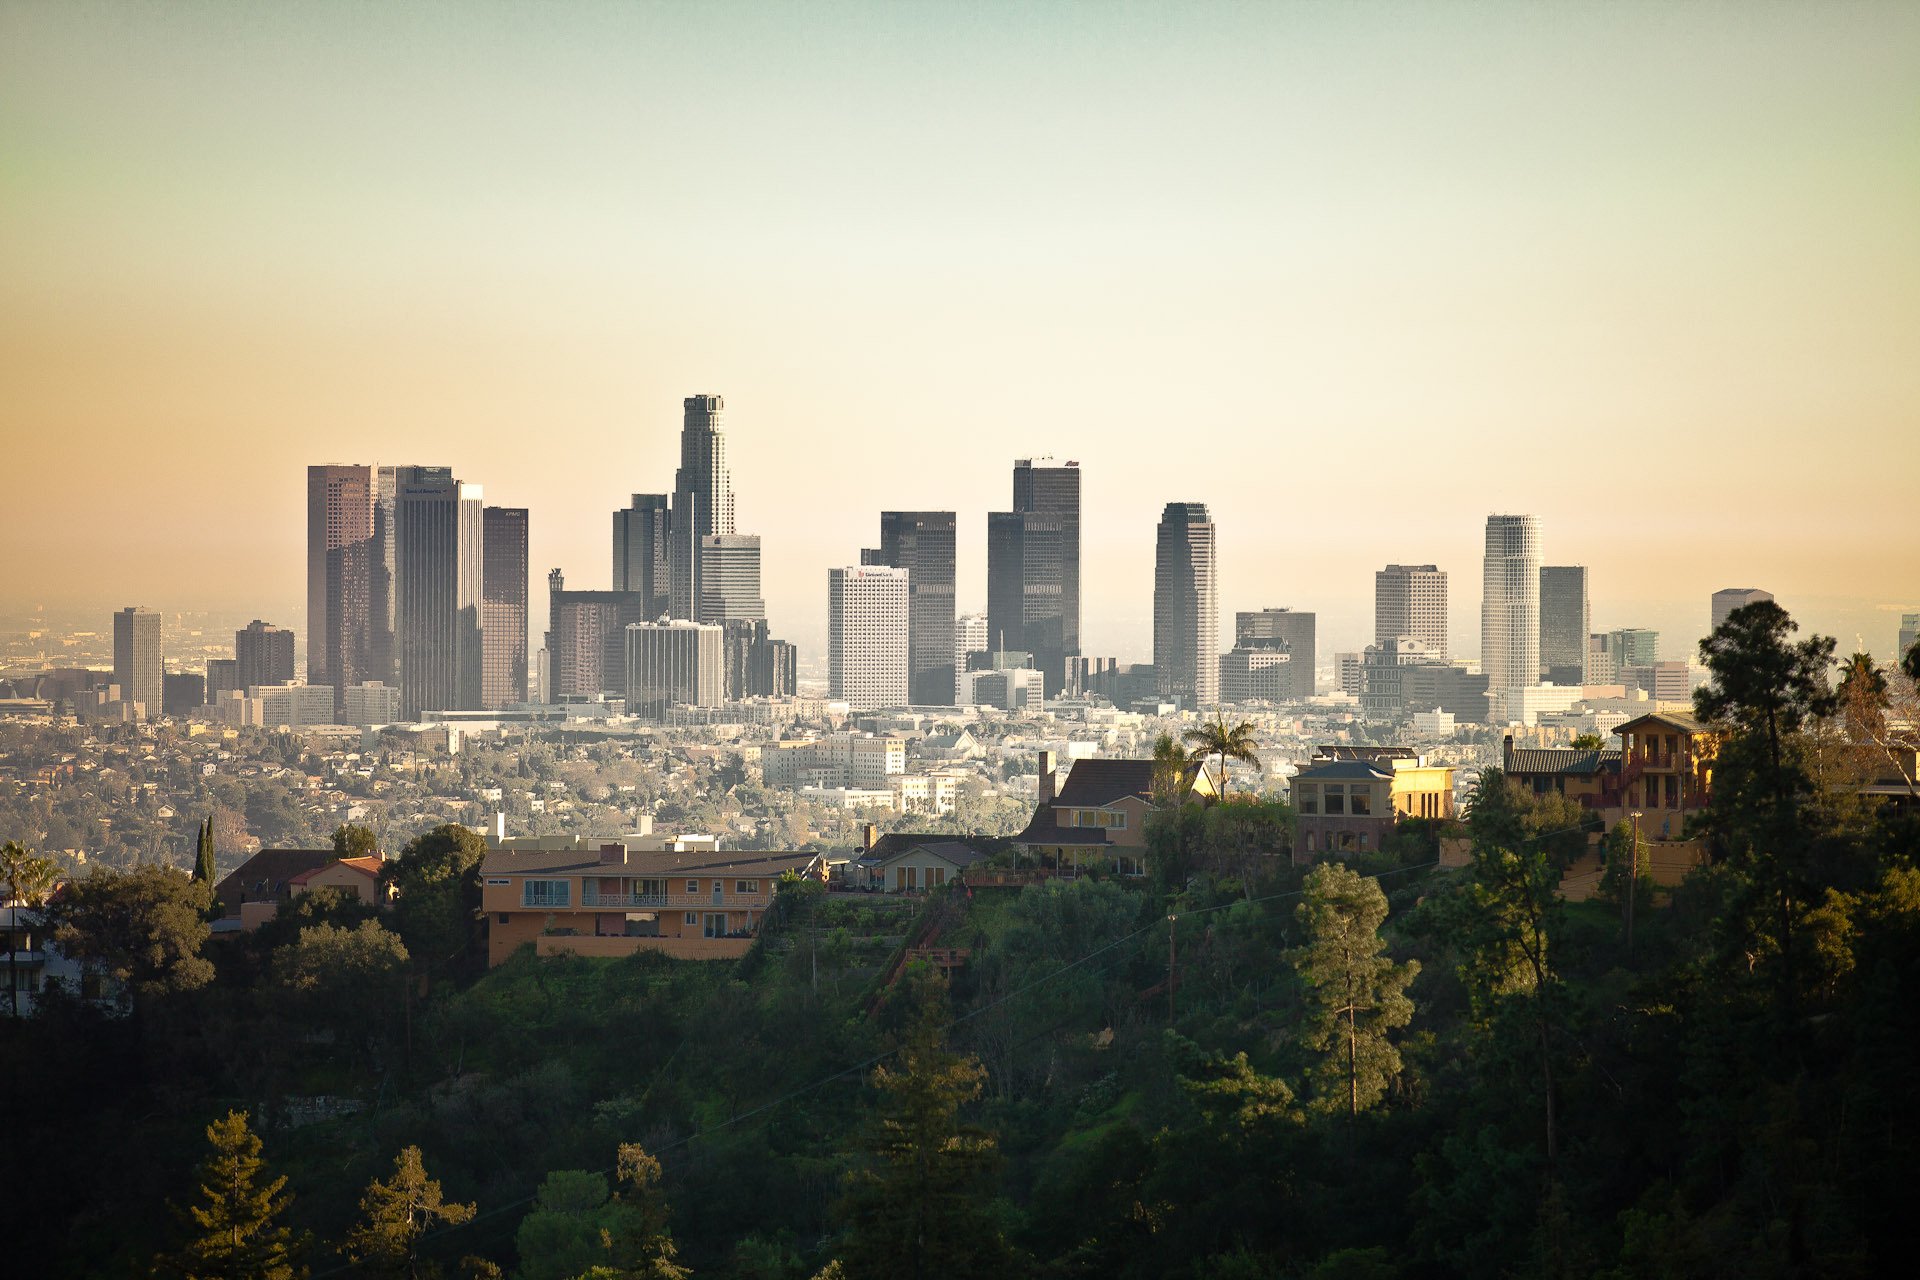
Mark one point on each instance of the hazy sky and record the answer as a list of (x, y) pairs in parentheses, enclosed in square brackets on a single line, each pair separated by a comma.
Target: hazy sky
[(1353, 275)]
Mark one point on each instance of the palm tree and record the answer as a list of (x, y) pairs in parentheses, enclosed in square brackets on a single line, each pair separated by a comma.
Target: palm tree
[(1227, 743), (1171, 779), (28, 879)]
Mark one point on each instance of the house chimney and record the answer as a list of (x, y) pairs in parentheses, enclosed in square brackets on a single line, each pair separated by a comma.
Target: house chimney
[(1046, 777), (869, 836), (1506, 752), (613, 855), (499, 828)]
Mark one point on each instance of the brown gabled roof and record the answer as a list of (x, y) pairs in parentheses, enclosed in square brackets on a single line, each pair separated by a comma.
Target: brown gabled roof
[(1577, 762), (1673, 719), (1094, 783), (368, 867), (265, 876)]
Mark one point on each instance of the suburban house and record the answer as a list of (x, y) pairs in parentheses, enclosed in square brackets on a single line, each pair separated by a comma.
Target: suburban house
[(1350, 805), (1590, 777), (1666, 771), (1099, 813), (251, 894), (33, 961), (699, 904), (359, 876), (902, 863)]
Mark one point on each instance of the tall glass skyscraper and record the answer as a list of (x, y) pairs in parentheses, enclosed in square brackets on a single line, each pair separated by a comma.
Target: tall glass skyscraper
[(702, 498), (1510, 611), (1033, 567), (1565, 623), (923, 543), (438, 571), (1186, 606)]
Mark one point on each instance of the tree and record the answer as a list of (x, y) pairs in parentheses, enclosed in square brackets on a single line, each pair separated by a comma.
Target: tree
[(436, 881), (1219, 741), (236, 1222), (575, 1229), (396, 1215), (919, 1206), (353, 841), (1172, 774), (1588, 742), (143, 928), (1361, 994), (349, 981), (1762, 682), (28, 878), (203, 867)]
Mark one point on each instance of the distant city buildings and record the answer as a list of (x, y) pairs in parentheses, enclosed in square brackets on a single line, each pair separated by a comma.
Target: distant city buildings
[(1510, 609), (262, 655), (730, 579), (702, 499), (925, 544), (587, 640), (137, 665), (1411, 600), (867, 636), (1634, 647), (1565, 623), (1909, 635), (969, 637), (1186, 608), (641, 541), (671, 663), (1033, 567), (1269, 631), (341, 552), (1727, 599), (438, 576), (503, 621)]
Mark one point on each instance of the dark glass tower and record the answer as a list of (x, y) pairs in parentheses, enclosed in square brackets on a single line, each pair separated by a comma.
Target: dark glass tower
[(1033, 567), (923, 543)]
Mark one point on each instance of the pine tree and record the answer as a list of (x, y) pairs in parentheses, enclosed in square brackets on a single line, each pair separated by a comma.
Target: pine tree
[(237, 1233), (1360, 994), (398, 1213)]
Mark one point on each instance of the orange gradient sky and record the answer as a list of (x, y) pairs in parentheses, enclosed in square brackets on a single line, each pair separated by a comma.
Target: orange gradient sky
[(1353, 275)]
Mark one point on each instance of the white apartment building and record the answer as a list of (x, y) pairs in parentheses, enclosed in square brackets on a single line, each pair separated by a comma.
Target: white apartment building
[(969, 636), (1510, 612), (867, 636)]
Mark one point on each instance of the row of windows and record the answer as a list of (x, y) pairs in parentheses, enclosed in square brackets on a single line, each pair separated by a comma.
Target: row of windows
[(559, 893), (1111, 819), (1336, 801)]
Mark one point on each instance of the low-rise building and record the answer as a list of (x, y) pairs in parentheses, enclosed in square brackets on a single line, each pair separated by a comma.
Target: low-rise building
[(1345, 806)]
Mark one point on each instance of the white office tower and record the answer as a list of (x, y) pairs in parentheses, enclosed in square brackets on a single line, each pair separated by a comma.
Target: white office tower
[(674, 663), (1186, 606), (969, 636), (1510, 611), (867, 636), (1411, 600), (1727, 599)]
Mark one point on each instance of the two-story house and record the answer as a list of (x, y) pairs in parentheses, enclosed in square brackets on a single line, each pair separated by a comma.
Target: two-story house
[(1666, 771), (699, 904), (1099, 812), (1350, 806)]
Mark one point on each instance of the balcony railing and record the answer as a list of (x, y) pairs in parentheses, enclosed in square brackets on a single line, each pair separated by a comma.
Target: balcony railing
[(590, 897)]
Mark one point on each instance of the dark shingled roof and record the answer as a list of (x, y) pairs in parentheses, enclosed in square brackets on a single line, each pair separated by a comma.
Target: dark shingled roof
[(1684, 723), (265, 876), (1563, 760), (1343, 771), (1042, 831), (895, 841), (660, 863), (955, 852), (1092, 783)]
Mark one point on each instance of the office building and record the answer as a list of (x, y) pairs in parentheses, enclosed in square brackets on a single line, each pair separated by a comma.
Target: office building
[(730, 579), (1033, 567), (1603, 662), (702, 499), (137, 665), (867, 636), (641, 541), (1287, 630), (1510, 608), (969, 637), (1256, 675), (370, 703), (1445, 686), (1909, 635), (1727, 599), (1346, 673), (1383, 669), (1634, 647), (923, 543), (1411, 600), (223, 676), (438, 549), (182, 692), (673, 663), (773, 666), (262, 655), (1565, 623), (587, 640), (291, 706), (1186, 606), (503, 612), (341, 553)]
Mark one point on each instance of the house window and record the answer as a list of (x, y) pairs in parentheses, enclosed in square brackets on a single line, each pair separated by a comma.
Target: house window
[(1336, 798), (693, 917), (1362, 802), (746, 886), (545, 893), (1310, 799), (693, 886), (1309, 842), (505, 918)]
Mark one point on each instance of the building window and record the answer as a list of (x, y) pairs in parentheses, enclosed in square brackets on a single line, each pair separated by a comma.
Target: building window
[(545, 893), (504, 918), (1336, 799), (693, 917), (1310, 799), (1362, 802), (693, 886), (746, 886)]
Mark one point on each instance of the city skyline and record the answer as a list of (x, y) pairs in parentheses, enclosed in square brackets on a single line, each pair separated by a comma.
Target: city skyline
[(1719, 272)]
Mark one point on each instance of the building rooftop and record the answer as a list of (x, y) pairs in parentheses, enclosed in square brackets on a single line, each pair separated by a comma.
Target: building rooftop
[(637, 862), (1093, 783)]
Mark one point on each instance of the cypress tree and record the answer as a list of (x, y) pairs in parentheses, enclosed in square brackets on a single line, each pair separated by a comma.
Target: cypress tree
[(203, 869)]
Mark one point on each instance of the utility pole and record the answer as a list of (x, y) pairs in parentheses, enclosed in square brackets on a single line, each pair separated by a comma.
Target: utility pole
[(1633, 881), (1170, 920)]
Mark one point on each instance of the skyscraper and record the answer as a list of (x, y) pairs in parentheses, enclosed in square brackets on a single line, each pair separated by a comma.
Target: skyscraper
[(702, 498), (1565, 619), (669, 663), (1287, 629), (1634, 647), (1186, 606), (1727, 599), (438, 550), (1510, 611), (341, 554), (1033, 567), (587, 640), (1411, 600), (263, 655), (969, 637), (730, 579), (923, 543), (641, 541), (136, 660), (867, 636), (503, 614), (1909, 635)]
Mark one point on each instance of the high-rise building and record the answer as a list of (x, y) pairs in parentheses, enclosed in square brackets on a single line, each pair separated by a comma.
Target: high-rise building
[(641, 541), (262, 655), (503, 612), (730, 579), (1411, 600), (1909, 635), (867, 636), (182, 692), (1727, 599), (1033, 567), (969, 637), (341, 554), (1510, 609), (702, 499), (1287, 629), (587, 640), (1603, 662), (673, 663), (1186, 606), (1634, 647), (1565, 619), (223, 676), (923, 543), (438, 549), (137, 666)]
